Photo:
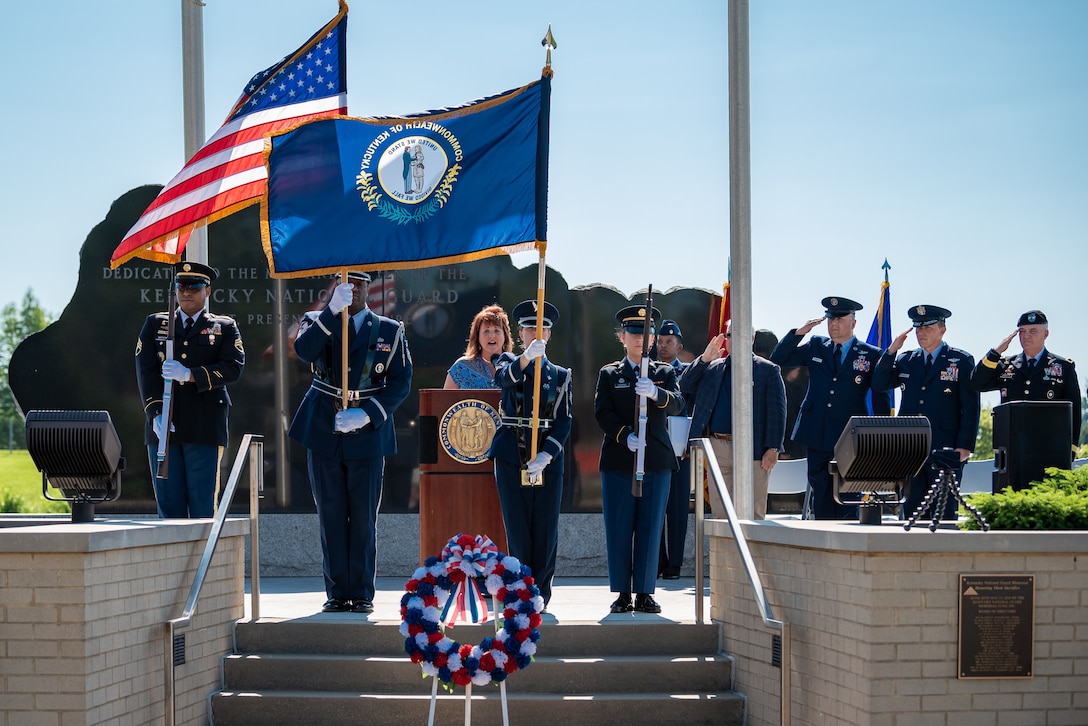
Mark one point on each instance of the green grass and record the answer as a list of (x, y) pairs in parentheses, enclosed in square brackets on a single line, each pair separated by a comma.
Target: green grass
[(21, 486)]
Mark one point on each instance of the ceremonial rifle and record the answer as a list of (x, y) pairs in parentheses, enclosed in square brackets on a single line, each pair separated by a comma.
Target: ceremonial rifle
[(642, 418), (162, 456)]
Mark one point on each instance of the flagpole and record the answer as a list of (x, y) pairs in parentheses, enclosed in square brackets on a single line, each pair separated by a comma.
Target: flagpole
[(534, 425), (344, 348), (192, 82)]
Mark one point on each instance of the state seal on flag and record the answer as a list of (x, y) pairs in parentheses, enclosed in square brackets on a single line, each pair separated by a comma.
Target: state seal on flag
[(409, 171)]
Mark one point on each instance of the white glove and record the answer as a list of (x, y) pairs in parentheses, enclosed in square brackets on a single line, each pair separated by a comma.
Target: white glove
[(350, 420), (535, 349), (645, 387), (172, 370), (341, 297), (157, 424), (632, 442), (537, 465)]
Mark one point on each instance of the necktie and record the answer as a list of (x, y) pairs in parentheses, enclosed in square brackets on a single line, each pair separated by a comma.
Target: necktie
[(1031, 365), (929, 364), (188, 326), (838, 355)]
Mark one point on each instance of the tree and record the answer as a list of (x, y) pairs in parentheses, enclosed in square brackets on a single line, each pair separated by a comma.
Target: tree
[(984, 442), (16, 324)]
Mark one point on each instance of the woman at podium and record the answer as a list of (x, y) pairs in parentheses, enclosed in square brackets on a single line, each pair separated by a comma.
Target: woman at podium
[(488, 336)]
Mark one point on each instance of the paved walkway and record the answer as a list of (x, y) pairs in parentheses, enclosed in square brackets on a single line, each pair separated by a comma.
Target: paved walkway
[(574, 600)]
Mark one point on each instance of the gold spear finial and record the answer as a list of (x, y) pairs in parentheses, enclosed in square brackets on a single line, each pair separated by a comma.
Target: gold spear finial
[(548, 41)]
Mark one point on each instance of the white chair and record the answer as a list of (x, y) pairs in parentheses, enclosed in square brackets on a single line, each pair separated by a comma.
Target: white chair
[(790, 478)]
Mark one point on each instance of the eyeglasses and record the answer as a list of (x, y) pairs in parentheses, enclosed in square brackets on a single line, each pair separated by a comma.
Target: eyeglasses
[(198, 285)]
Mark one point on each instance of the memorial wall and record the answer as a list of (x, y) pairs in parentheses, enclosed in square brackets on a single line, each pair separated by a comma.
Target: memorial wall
[(85, 360)]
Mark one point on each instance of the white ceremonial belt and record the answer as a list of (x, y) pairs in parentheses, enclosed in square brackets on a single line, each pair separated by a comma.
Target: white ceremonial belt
[(337, 392), (545, 423)]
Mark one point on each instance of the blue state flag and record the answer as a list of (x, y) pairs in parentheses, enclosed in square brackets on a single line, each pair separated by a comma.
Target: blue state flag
[(880, 334), (401, 192)]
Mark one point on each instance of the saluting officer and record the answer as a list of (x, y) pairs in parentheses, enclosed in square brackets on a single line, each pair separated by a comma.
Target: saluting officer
[(1035, 374), (632, 525), (530, 505), (840, 373), (346, 447), (208, 356), (936, 383)]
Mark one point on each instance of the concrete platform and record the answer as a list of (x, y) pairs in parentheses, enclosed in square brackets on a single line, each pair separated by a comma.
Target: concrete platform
[(574, 600)]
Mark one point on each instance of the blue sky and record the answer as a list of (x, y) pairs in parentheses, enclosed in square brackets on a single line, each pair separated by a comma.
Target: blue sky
[(947, 137)]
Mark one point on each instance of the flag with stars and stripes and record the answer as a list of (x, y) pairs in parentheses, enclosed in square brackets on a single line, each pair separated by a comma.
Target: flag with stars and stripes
[(228, 172)]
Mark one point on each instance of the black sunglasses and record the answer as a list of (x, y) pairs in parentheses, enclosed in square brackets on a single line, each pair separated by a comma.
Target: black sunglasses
[(199, 285)]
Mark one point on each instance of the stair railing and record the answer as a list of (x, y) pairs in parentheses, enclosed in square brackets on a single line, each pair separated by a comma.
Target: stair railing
[(173, 641), (703, 461)]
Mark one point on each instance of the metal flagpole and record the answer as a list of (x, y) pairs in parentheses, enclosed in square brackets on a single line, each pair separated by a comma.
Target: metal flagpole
[(740, 250), (192, 81)]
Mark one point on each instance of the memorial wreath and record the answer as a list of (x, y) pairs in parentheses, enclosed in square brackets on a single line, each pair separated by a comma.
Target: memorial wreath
[(444, 590)]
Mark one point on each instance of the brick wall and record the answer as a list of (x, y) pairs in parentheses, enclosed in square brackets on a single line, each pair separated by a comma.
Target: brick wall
[(82, 609), (874, 618)]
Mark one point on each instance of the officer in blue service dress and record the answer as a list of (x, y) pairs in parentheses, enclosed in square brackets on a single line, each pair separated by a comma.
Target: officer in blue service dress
[(936, 383), (840, 372), (530, 502), (632, 525), (709, 381), (208, 356), (1035, 374), (670, 341), (346, 447)]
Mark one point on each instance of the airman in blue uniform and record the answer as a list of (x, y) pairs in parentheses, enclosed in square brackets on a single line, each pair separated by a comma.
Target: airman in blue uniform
[(936, 383), (1035, 374), (670, 341), (632, 524), (840, 373), (346, 447), (208, 356), (531, 488)]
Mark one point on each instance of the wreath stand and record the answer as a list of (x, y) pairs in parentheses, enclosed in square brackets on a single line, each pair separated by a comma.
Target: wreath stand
[(468, 688)]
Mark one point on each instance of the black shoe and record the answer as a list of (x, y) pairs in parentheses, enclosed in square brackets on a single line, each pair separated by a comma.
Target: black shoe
[(622, 604), (646, 604), (335, 605), (362, 606), (671, 573)]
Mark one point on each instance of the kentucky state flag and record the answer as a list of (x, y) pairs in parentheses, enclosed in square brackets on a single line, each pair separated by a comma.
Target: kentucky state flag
[(395, 193)]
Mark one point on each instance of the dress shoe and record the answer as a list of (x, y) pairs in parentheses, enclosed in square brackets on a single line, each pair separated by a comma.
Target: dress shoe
[(646, 604), (622, 604), (671, 573), (362, 606), (335, 605)]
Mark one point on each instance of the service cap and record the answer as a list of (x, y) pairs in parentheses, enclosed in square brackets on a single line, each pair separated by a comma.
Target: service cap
[(186, 271), (839, 307), (922, 315), (525, 314), (669, 327), (633, 318)]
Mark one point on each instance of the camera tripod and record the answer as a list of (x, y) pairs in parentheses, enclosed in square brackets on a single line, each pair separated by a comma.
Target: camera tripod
[(945, 484)]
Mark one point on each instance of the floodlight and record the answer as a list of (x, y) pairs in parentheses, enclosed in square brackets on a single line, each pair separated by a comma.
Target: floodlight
[(79, 452)]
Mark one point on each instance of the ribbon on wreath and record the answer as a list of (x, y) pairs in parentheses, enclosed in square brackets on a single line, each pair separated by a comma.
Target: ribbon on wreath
[(466, 603), (466, 558)]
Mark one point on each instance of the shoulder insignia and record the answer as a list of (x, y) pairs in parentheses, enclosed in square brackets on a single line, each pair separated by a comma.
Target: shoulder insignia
[(139, 346)]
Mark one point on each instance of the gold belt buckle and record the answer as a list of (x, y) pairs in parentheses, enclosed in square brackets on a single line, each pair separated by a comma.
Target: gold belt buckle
[(531, 481)]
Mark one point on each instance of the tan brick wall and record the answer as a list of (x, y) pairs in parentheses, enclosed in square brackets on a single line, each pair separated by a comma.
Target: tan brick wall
[(874, 621), (82, 631)]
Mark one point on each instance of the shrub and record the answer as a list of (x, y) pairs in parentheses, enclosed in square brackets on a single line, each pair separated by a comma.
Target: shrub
[(1059, 501)]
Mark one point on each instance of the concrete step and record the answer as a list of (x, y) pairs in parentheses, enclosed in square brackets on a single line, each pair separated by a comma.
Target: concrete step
[(382, 638), (306, 708), (380, 674)]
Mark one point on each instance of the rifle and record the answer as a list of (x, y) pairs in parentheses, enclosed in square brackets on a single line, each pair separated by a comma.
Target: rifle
[(161, 457), (642, 417)]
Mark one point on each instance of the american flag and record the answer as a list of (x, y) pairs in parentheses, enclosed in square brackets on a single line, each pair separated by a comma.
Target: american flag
[(228, 173)]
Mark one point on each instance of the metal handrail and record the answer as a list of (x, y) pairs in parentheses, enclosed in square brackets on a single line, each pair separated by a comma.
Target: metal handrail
[(702, 455), (253, 444)]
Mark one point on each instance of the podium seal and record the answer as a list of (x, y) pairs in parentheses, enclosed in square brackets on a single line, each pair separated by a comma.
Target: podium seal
[(466, 430)]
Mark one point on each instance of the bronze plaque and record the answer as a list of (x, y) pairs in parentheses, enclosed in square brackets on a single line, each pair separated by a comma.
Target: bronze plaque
[(997, 626)]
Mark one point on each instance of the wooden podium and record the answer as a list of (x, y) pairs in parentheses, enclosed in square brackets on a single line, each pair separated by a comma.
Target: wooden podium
[(457, 491)]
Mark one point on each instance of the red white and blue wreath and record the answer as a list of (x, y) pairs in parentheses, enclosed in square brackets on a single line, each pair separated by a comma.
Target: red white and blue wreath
[(444, 590)]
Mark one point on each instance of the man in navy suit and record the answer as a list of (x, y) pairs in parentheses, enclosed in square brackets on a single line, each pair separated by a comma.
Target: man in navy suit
[(840, 373), (1035, 374), (709, 380), (346, 447), (936, 383)]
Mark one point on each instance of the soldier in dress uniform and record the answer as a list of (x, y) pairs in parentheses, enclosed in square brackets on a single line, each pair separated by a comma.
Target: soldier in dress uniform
[(840, 372), (208, 356), (936, 383), (346, 447), (632, 525), (1035, 374), (531, 490), (670, 341)]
